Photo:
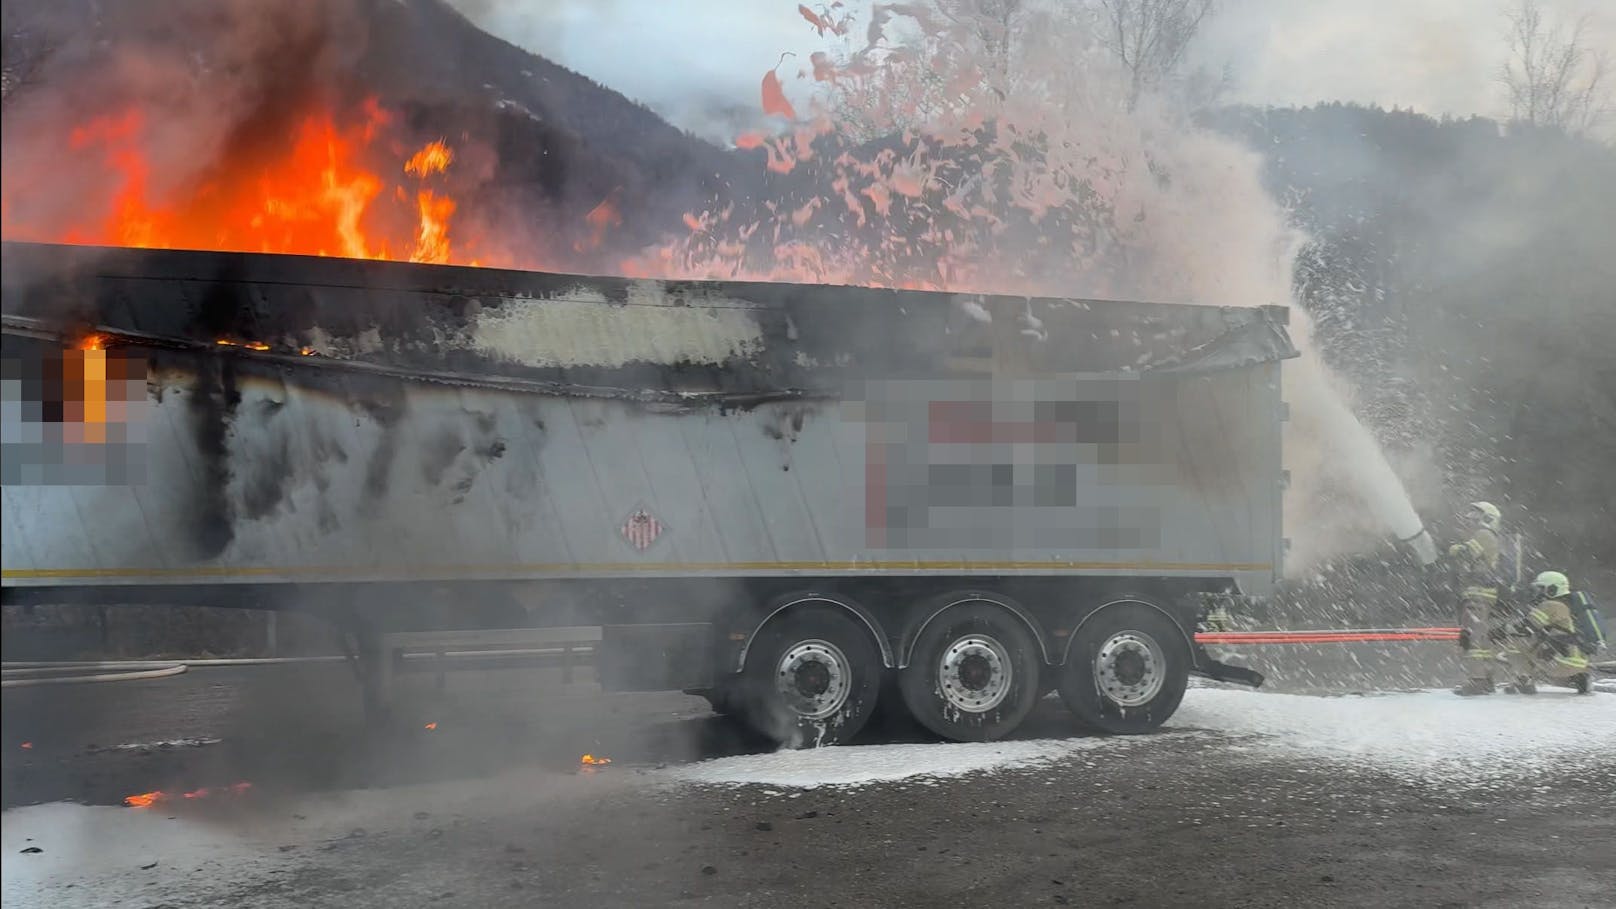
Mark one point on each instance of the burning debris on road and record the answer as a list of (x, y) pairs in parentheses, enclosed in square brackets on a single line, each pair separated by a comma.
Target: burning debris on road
[(151, 799), (144, 799)]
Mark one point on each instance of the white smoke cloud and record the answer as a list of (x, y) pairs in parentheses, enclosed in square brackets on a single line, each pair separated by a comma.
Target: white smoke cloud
[(1435, 56), (1438, 57)]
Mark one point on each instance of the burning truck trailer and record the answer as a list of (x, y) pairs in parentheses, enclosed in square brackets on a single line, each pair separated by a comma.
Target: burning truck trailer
[(779, 496)]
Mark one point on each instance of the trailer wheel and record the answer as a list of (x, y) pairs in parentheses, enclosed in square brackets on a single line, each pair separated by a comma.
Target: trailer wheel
[(811, 679), (973, 675), (1126, 670)]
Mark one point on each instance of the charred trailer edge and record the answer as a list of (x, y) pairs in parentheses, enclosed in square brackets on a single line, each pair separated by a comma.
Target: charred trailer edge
[(796, 500)]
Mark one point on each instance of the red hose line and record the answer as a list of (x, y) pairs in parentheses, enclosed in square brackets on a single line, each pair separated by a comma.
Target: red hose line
[(1345, 636)]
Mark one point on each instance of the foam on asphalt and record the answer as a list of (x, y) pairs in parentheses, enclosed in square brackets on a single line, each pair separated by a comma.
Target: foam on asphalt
[(864, 765), (1425, 736)]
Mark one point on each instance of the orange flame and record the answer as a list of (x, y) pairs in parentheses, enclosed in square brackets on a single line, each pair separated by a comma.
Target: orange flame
[(93, 342), (27, 746), (590, 760), (250, 345), (430, 726), (148, 799), (318, 193), (602, 218), (432, 239), (432, 158)]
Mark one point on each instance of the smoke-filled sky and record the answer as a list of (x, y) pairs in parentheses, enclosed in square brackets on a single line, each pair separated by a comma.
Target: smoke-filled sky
[(700, 64)]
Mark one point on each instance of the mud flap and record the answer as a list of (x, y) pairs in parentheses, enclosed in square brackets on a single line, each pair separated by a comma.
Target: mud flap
[(1207, 667), (656, 657)]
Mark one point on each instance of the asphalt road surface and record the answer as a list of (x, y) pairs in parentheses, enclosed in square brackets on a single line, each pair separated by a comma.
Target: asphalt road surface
[(1332, 794)]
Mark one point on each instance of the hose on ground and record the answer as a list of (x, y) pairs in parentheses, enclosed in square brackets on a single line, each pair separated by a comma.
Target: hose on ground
[(87, 672)]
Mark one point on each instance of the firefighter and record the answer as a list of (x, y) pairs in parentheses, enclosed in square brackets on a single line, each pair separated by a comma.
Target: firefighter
[(1475, 566), (1545, 644)]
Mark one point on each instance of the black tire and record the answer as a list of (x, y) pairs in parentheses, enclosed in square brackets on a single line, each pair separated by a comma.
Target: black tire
[(791, 670), (973, 674), (1126, 670)]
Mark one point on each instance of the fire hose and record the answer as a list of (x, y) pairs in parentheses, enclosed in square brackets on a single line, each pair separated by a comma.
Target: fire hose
[(117, 671), (27, 673), (1329, 636)]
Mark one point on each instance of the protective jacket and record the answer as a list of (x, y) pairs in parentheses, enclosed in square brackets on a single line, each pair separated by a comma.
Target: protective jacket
[(1476, 563)]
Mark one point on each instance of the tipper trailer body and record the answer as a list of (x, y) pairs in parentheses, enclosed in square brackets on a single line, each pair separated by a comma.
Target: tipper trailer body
[(777, 495)]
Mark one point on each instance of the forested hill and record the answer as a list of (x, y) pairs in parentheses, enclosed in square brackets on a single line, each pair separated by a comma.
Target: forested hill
[(1463, 275)]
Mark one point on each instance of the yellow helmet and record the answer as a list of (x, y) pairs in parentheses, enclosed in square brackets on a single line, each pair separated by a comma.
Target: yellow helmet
[(1551, 585), (1487, 514)]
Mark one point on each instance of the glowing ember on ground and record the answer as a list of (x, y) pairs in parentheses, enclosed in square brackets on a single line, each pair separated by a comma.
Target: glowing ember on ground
[(590, 760), (148, 799)]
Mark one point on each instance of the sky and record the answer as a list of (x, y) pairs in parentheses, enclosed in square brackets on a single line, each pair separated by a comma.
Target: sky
[(699, 64)]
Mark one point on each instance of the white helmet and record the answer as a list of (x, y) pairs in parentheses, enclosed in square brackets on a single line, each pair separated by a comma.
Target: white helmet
[(1487, 513), (1551, 585)]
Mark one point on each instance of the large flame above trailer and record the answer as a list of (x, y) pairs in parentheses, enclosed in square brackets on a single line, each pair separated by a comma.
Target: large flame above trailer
[(337, 186), (934, 156)]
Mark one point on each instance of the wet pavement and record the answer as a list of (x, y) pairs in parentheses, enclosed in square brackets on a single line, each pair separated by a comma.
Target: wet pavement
[(1244, 799)]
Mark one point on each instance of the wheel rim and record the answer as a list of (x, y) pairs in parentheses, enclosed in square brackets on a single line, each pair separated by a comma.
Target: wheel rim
[(813, 679), (975, 673), (1130, 668)]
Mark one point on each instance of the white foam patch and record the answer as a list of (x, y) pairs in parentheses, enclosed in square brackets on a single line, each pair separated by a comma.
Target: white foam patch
[(584, 329), (167, 743), (110, 854), (93, 857), (863, 765), (1429, 735)]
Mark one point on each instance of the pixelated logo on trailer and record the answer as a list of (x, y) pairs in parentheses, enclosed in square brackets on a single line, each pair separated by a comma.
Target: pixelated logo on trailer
[(641, 529), (74, 416)]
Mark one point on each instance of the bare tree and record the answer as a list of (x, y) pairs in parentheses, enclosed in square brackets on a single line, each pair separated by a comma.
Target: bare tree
[(32, 31), (1554, 79), (991, 22), (1149, 37)]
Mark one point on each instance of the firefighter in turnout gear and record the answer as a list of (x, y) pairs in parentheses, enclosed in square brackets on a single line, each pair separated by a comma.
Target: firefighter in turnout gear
[(1545, 644), (1475, 566)]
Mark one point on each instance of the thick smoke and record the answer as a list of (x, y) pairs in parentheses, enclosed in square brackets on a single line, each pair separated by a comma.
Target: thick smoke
[(971, 154), (217, 82)]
